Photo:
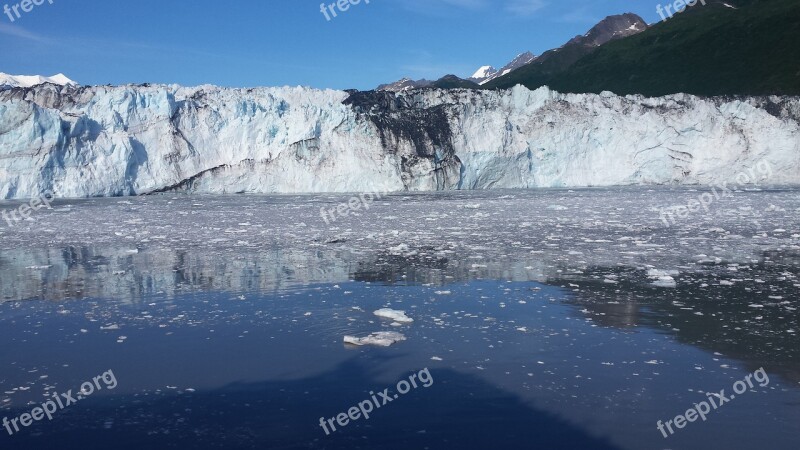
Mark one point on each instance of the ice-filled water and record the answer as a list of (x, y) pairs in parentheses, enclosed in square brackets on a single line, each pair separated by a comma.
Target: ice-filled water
[(548, 319)]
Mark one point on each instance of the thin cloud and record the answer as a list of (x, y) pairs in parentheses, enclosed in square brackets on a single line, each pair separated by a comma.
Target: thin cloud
[(525, 7), (580, 15), (441, 7), (467, 4), (15, 31)]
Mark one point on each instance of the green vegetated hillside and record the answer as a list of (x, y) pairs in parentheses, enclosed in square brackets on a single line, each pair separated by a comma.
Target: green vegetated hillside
[(752, 49)]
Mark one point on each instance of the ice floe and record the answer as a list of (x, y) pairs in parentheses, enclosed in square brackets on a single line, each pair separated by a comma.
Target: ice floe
[(397, 316), (380, 338)]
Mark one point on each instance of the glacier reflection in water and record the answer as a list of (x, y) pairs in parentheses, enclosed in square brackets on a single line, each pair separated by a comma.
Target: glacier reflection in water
[(223, 319)]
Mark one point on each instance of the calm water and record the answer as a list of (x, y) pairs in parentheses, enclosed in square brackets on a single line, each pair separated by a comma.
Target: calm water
[(540, 317)]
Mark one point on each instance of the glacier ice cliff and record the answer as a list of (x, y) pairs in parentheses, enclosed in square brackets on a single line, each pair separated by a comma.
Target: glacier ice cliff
[(133, 140)]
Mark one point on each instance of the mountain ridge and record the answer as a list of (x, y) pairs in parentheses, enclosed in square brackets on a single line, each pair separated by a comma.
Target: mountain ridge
[(488, 73), (609, 29), (736, 47)]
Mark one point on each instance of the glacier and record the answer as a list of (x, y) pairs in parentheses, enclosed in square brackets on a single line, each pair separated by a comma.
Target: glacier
[(93, 141)]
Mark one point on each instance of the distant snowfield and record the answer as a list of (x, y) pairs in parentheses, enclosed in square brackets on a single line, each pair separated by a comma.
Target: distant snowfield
[(34, 80), (132, 140)]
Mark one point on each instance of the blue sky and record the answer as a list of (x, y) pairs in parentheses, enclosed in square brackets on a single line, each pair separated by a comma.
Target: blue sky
[(287, 42)]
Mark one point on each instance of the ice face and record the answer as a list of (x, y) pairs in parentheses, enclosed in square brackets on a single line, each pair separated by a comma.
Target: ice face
[(126, 140)]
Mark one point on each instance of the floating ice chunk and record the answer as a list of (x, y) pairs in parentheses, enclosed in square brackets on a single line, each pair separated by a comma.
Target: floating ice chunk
[(399, 250), (336, 240), (381, 339), (663, 278), (655, 273), (667, 282), (436, 358), (397, 316)]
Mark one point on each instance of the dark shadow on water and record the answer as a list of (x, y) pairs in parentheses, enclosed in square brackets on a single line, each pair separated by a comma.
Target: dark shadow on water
[(457, 411), (700, 312)]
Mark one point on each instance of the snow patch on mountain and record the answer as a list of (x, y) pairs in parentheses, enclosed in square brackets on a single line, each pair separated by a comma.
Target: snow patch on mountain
[(34, 80), (483, 73), (404, 84), (612, 28), (488, 73)]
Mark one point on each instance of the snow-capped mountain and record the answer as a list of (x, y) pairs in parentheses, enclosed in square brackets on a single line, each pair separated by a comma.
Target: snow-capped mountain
[(608, 29), (482, 74), (554, 61), (126, 140), (488, 73), (34, 80)]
